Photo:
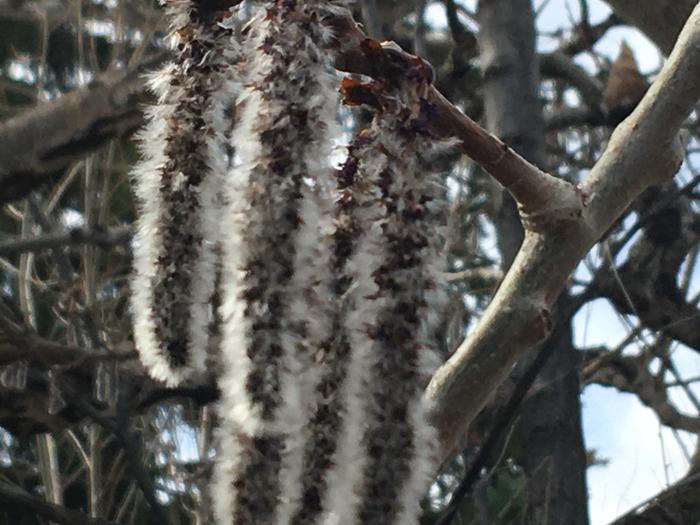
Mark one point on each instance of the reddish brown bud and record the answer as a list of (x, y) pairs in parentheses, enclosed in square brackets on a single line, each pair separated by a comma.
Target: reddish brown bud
[(626, 85)]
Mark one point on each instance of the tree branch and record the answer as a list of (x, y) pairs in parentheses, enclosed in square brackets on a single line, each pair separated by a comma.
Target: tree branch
[(559, 65), (585, 39), (660, 20), (71, 237), (40, 143), (645, 284), (631, 375), (643, 150), (38, 507), (542, 199), (677, 504)]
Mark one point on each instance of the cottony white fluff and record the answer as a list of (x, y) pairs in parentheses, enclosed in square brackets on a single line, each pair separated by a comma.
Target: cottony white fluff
[(424, 460), (242, 421), (309, 306), (311, 296), (363, 308), (426, 440), (237, 415), (263, 108), (421, 284), (146, 243), (148, 179)]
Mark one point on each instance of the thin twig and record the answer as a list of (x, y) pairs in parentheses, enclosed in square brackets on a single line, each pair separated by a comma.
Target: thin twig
[(34, 506), (72, 237)]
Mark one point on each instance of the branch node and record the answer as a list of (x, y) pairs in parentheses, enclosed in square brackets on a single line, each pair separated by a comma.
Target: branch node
[(549, 205)]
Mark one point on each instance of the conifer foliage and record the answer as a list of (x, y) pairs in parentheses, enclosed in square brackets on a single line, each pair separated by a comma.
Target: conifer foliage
[(331, 295)]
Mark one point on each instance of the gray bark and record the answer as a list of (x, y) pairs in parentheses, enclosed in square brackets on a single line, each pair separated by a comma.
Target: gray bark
[(511, 102), (550, 423), (39, 144)]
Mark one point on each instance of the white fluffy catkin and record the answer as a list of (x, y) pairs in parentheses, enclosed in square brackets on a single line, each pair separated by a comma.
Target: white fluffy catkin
[(177, 186), (275, 314), (333, 450), (386, 457)]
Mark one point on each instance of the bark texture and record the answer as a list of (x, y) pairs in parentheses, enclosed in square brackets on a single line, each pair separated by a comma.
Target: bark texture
[(550, 420), (677, 505), (39, 144)]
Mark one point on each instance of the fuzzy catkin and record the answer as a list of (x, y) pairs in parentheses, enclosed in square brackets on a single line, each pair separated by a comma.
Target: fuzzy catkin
[(178, 183), (276, 273), (328, 457), (398, 322), (399, 441), (370, 456)]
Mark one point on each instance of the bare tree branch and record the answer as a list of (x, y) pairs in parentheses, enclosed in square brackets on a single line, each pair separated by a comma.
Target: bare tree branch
[(72, 237), (585, 39), (38, 507), (645, 284), (678, 504), (643, 150), (40, 143), (559, 65), (631, 374)]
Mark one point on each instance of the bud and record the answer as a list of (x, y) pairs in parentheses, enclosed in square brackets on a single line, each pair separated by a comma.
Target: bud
[(626, 85)]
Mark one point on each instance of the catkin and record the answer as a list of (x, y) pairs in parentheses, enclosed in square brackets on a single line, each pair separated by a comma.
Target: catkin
[(178, 185), (276, 273), (386, 457), (329, 280), (328, 457)]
